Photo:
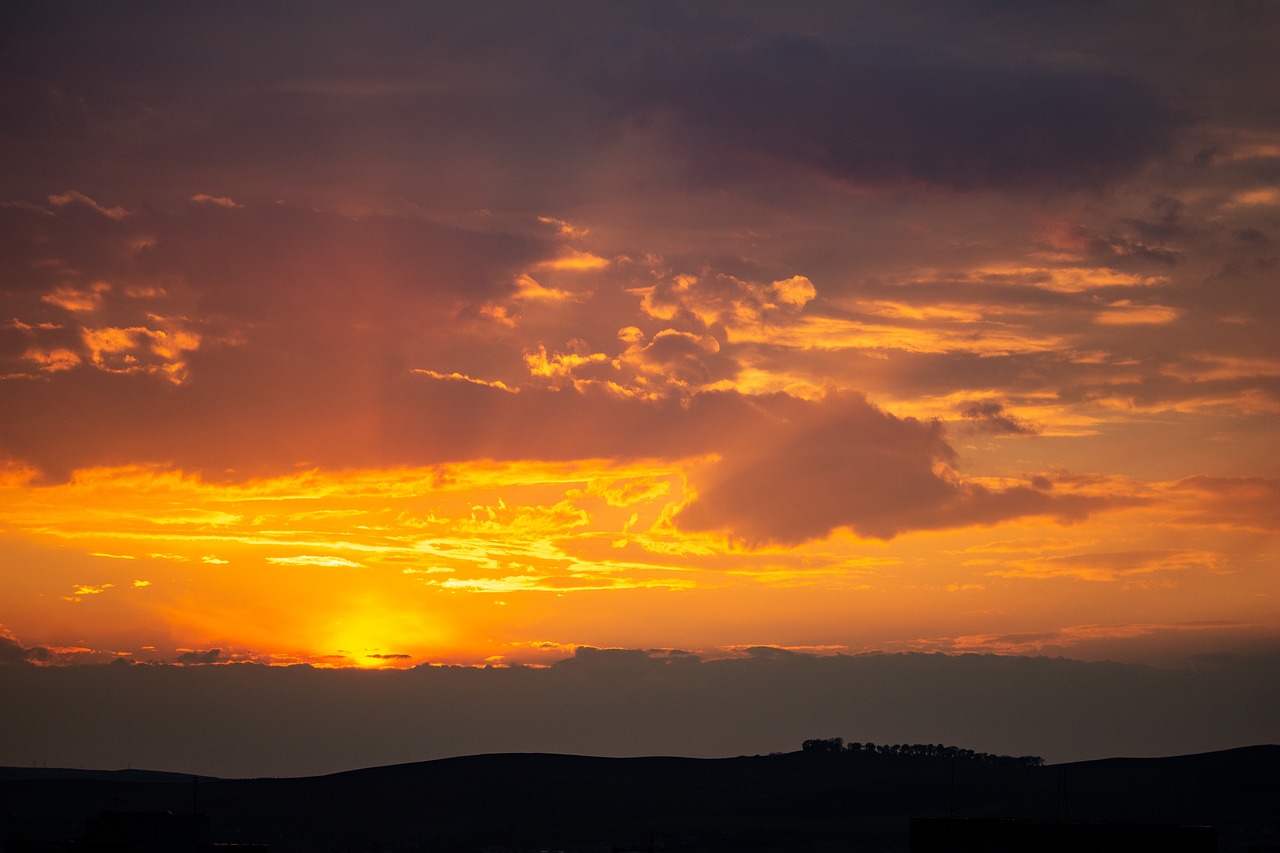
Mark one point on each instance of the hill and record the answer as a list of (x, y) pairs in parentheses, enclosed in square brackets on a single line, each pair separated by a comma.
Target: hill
[(796, 801)]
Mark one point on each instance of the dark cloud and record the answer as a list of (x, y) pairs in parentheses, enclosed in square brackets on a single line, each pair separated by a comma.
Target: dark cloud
[(791, 470), (1253, 237), (298, 314), (1164, 222), (257, 720), (990, 416), (871, 114), (846, 463), (13, 653), (767, 652), (196, 657), (422, 102), (1157, 393)]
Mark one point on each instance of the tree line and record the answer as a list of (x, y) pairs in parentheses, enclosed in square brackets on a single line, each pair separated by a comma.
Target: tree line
[(837, 746)]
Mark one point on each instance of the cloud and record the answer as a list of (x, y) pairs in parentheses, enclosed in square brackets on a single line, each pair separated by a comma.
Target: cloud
[(52, 360), (13, 653), (795, 291), (877, 114), (790, 469), (74, 197), (1110, 566), (1248, 503), (220, 201), (990, 416), (196, 657), (328, 562), (76, 300), (842, 462), (162, 351), (1253, 237), (1125, 313), (1165, 644), (669, 232), (630, 702), (689, 359)]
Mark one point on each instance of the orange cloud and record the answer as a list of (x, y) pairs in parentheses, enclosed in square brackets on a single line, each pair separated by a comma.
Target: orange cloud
[(52, 360), (1125, 313), (73, 197), (1247, 503), (1109, 566), (139, 349), (575, 260), (78, 300), (220, 201)]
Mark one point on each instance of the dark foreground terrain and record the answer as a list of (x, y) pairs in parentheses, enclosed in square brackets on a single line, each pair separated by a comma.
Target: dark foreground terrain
[(793, 802)]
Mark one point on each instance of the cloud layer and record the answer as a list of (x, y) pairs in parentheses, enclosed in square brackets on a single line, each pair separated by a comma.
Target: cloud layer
[(434, 330), (625, 702)]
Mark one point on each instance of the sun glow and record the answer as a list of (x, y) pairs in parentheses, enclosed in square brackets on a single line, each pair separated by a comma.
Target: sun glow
[(467, 563), (360, 568)]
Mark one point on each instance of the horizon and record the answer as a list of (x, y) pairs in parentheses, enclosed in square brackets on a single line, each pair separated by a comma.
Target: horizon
[(764, 802), (147, 771), (703, 332), (246, 720)]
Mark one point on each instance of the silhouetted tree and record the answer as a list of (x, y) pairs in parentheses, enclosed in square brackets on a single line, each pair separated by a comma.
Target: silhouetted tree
[(835, 745), (825, 744)]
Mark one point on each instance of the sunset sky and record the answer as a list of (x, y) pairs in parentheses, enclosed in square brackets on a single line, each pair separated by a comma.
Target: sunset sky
[(479, 333)]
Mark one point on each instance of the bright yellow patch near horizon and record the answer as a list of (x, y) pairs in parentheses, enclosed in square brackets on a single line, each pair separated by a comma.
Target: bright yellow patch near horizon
[(358, 566), (516, 562)]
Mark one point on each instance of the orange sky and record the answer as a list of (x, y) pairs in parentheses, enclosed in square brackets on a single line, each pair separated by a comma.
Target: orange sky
[(407, 339)]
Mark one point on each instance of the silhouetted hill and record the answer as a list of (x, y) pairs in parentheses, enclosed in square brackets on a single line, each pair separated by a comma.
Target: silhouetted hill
[(10, 774), (796, 801)]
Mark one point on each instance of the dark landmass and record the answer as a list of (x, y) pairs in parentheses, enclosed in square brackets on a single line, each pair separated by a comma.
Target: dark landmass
[(14, 774), (802, 801)]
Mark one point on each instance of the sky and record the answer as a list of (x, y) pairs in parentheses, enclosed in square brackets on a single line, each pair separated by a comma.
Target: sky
[(483, 335)]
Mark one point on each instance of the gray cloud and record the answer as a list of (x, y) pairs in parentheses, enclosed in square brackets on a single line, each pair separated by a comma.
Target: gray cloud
[(13, 653), (421, 101), (196, 657), (879, 115), (990, 416), (257, 720), (846, 463)]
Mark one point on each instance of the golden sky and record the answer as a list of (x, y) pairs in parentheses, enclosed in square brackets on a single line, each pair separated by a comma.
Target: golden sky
[(456, 336)]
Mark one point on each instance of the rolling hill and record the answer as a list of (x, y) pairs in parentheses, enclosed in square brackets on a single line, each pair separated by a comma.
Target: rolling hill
[(796, 801)]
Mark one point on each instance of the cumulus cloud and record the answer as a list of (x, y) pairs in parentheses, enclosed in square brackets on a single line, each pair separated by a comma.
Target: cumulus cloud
[(842, 462), (797, 290), (688, 358)]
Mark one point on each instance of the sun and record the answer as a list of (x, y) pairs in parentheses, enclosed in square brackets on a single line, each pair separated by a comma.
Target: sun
[(375, 636)]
